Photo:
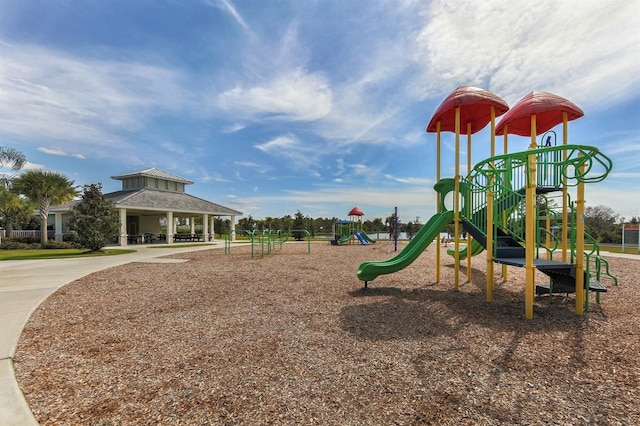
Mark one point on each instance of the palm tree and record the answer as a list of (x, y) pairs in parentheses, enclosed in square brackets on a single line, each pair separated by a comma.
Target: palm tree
[(45, 188), (13, 208), (12, 158)]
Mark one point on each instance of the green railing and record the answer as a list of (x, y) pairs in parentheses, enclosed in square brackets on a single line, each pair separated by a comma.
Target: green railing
[(583, 164), (507, 176), (268, 240)]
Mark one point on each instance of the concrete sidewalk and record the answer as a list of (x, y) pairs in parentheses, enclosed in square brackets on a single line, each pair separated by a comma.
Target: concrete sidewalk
[(24, 284)]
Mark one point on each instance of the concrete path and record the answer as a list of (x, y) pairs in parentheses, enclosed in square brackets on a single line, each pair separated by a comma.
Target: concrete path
[(24, 284)]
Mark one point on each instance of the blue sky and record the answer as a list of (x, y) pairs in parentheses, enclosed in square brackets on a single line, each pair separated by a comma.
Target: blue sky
[(276, 106)]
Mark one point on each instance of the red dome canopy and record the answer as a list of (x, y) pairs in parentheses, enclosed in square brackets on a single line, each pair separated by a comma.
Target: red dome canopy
[(548, 109), (356, 212), (475, 108)]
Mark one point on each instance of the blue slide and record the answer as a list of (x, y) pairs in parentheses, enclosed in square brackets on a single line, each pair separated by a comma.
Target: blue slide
[(362, 239)]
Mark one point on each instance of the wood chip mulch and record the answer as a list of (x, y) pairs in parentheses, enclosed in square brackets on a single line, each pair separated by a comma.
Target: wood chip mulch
[(292, 338)]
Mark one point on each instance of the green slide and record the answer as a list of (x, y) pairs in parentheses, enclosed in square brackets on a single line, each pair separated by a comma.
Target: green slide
[(476, 248), (368, 238), (429, 232), (344, 239)]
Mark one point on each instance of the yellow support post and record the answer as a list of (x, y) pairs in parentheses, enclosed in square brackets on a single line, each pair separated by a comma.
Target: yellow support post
[(505, 271), (468, 171), (490, 212), (531, 219), (456, 204), (438, 207), (580, 248), (565, 195)]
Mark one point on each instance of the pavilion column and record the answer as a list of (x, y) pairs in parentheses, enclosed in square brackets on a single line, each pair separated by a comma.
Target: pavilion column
[(205, 227), (123, 227), (212, 227), (57, 227), (192, 225), (170, 226), (233, 228)]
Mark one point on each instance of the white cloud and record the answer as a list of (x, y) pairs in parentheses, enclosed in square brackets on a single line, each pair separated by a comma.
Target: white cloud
[(257, 167), (374, 201), (228, 7), (59, 152), (49, 95), (583, 50), (292, 96), (291, 153), (234, 128), (412, 180), (279, 144)]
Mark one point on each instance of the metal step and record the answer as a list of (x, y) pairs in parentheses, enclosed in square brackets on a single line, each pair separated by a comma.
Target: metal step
[(594, 285), (509, 252)]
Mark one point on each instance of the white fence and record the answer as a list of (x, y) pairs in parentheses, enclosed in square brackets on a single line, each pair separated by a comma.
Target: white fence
[(25, 233)]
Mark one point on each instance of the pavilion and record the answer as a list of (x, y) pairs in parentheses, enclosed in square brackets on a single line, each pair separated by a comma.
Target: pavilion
[(150, 200)]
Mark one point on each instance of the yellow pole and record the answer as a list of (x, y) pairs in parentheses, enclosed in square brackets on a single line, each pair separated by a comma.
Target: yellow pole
[(531, 218), (565, 195), (438, 208), (468, 171), (580, 247), (505, 271), (456, 205), (490, 212)]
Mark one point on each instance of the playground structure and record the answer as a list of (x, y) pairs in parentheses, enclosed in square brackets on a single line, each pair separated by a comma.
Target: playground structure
[(268, 240), (506, 203), (351, 230)]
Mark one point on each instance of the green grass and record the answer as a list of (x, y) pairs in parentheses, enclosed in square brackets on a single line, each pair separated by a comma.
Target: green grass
[(32, 254), (615, 249)]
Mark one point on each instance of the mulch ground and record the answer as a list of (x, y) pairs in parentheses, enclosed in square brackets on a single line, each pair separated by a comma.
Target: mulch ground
[(292, 338)]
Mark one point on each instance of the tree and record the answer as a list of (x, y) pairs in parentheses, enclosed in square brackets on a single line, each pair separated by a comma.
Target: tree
[(13, 208), (410, 229), (14, 159), (95, 220), (44, 188), (221, 226), (298, 223), (601, 221), (247, 224), (391, 222)]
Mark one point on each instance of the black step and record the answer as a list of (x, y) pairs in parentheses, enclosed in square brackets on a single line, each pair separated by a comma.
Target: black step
[(594, 285), (510, 252), (505, 240)]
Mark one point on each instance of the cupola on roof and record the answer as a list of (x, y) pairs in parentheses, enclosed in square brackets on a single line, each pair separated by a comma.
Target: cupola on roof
[(153, 173)]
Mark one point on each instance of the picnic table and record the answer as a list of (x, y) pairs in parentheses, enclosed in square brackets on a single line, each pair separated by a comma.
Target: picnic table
[(188, 237)]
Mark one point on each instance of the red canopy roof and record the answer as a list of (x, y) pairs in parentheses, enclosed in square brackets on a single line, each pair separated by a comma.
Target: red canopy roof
[(475, 108), (548, 109), (356, 212)]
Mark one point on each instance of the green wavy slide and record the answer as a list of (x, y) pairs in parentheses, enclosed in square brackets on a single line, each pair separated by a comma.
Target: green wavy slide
[(368, 271), (476, 248)]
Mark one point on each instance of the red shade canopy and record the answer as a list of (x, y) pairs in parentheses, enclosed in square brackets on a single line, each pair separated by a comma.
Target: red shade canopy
[(548, 109), (475, 108), (356, 212)]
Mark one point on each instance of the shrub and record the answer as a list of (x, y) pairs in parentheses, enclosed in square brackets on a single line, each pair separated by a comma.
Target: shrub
[(10, 244), (70, 236)]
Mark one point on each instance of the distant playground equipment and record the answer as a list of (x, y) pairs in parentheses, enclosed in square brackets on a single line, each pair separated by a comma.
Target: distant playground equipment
[(503, 203), (268, 240), (348, 231)]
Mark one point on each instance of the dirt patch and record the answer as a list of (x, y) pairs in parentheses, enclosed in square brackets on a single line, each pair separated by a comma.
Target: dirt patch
[(293, 338)]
